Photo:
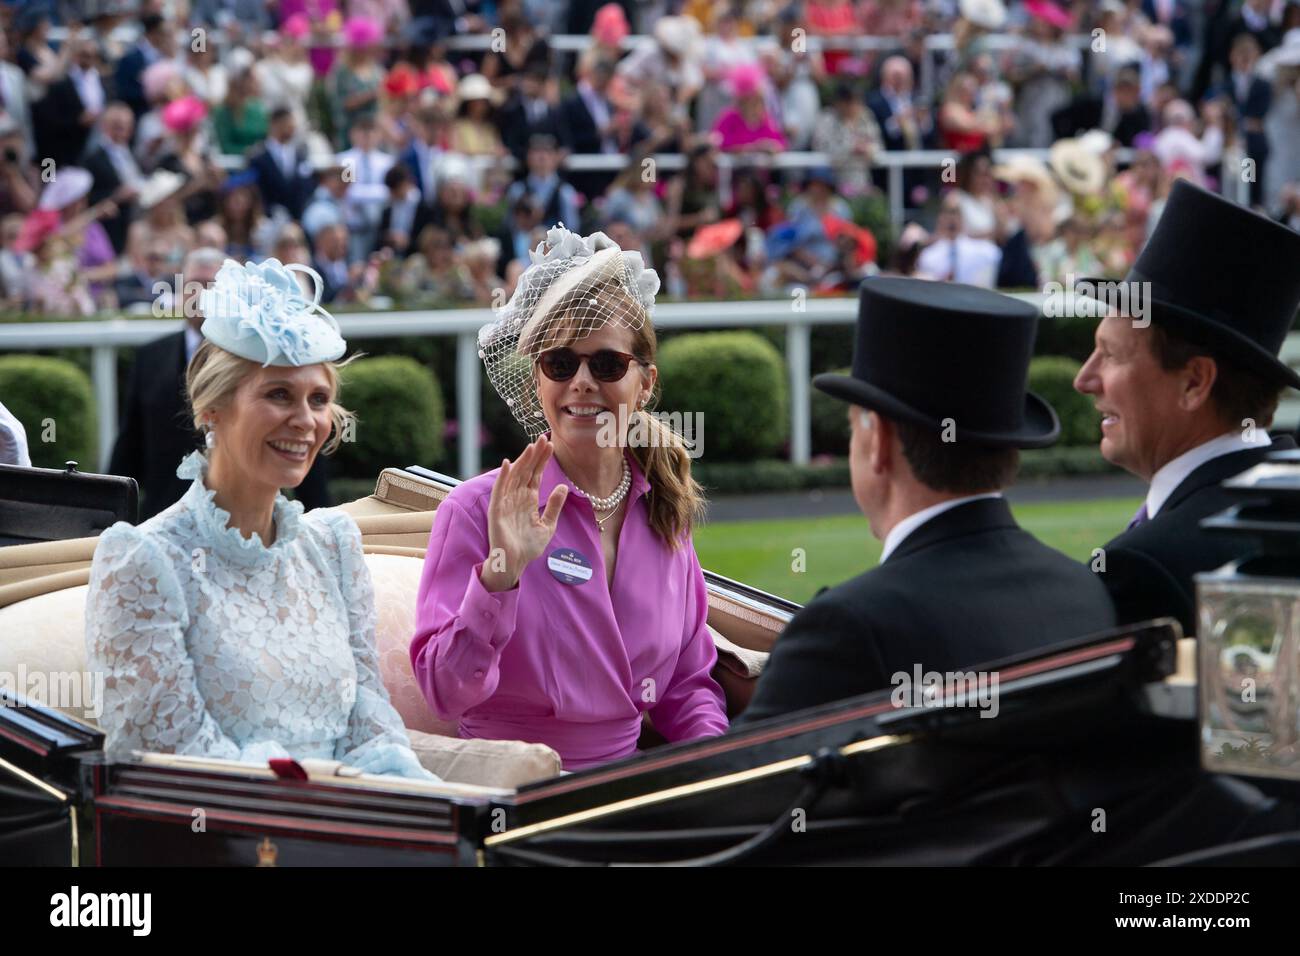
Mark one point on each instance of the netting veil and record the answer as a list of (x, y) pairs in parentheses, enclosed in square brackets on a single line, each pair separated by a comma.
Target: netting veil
[(572, 286)]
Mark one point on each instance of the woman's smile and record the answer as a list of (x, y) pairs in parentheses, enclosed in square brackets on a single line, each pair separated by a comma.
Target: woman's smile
[(295, 451)]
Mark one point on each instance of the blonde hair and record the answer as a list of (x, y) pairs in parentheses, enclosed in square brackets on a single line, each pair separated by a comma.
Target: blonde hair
[(214, 375), (676, 500)]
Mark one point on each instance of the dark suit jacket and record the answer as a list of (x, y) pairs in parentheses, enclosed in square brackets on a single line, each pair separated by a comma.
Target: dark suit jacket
[(292, 193), (1223, 21), (1017, 270), (1149, 569), (56, 123), (1254, 105), (581, 135), (411, 160), (580, 132), (1085, 113), (965, 588), (517, 127), (892, 136), (1179, 23), (127, 78), (890, 133), (155, 431), (331, 289), (105, 183), (424, 216)]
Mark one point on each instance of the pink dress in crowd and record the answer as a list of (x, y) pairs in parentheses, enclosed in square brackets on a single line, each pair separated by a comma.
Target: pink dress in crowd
[(737, 134), (316, 12)]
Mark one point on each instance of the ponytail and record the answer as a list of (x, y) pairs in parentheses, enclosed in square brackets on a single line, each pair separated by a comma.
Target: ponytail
[(676, 498)]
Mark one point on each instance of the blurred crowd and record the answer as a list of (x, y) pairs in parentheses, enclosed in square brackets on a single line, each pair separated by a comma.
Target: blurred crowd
[(358, 137)]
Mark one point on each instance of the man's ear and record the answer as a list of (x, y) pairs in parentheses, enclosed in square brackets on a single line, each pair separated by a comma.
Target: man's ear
[(1198, 378), (880, 443)]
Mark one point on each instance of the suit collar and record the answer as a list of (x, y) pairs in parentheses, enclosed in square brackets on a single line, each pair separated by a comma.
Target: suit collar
[(1220, 469), (903, 529), (972, 517), (1172, 473)]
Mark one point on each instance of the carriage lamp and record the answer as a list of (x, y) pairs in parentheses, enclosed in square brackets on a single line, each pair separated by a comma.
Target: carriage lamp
[(1248, 627)]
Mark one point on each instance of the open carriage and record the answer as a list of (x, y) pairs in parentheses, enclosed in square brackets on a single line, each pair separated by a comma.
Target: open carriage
[(1094, 757)]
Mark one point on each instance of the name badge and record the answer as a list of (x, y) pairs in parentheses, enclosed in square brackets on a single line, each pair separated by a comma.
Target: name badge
[(569, 567)]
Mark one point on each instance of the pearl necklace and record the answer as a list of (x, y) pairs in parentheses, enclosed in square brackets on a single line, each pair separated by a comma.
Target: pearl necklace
[(612, 502)]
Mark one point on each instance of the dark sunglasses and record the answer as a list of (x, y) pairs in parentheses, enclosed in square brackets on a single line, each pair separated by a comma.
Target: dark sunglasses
[(605, 365)]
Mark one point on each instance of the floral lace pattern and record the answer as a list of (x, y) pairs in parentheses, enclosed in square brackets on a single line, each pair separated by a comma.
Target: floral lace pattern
[(213, 644)]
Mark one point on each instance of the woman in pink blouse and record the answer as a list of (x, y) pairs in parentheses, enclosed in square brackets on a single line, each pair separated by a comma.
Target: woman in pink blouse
[(748, 124), (561, 597)]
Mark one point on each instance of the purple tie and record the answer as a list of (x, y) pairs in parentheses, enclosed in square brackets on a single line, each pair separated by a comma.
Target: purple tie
[(1138, 518)]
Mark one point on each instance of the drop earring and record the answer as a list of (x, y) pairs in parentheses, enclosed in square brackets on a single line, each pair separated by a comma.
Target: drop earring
[(210, 438)]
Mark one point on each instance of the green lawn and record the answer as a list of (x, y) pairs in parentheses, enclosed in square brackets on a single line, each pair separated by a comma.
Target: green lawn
[(762, 553)]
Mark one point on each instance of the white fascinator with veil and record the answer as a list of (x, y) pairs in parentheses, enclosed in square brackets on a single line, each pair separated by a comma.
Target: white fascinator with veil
[(260, 312), (572, 286)]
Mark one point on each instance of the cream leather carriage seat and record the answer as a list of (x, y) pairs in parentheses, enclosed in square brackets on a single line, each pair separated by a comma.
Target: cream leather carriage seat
[(42, 613), (45, 634)]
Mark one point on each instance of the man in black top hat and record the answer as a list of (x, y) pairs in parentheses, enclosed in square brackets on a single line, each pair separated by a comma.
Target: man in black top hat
[(1187, 391), (938, 411)]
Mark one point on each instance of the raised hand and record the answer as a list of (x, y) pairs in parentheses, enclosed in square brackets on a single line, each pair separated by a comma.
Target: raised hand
[(517, 532)]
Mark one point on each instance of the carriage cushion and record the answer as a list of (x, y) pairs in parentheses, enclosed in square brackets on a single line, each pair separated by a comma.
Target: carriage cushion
[(43, 643), (485, 763), (43, 648)]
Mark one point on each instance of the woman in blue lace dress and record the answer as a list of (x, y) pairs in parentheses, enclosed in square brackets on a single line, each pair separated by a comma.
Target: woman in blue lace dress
[(232, 624)]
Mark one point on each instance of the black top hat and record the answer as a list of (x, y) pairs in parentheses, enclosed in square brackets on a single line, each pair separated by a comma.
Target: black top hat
[(930, 351), (1223, 277)]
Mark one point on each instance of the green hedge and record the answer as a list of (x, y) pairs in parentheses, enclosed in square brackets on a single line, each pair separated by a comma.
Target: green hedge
[(738, 478), (399, 415), (1052, 377), (56, 404), (830, 421), (1070, 336), (736, 380), (768, 475)]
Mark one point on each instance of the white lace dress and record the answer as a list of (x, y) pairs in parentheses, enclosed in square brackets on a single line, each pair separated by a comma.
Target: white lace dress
[(212, 644)]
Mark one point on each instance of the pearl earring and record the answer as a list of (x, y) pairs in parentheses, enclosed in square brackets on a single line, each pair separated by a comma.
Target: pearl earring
[(210, 438)]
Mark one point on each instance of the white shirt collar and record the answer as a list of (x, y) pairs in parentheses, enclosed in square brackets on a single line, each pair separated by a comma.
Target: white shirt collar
[(1172, 474), (900, 531)]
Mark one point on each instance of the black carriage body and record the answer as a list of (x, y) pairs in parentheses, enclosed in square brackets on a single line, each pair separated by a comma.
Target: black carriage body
[(1087, 727), (164, 816), (62, 802), (865, 781)]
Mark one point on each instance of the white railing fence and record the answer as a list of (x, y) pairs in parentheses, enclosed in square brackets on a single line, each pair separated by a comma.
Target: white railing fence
[(105, 337)]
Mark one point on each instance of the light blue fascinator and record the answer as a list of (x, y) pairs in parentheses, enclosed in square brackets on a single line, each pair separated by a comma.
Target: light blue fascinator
[(259, 312)]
